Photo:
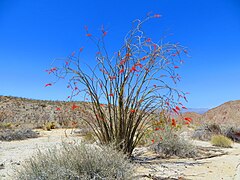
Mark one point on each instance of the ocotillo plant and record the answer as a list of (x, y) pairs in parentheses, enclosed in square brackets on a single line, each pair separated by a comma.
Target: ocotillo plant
[(126, 91)]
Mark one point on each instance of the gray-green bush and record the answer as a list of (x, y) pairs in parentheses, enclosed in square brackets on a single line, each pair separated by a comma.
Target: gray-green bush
[(79, 161), (17, 134), (171, 144)]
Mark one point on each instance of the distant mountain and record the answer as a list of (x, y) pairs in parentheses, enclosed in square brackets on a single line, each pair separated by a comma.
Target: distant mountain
[(196, 110)]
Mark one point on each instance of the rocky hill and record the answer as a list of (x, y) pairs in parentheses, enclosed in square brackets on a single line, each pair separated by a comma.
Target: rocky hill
[(37, 112), (227, 114)]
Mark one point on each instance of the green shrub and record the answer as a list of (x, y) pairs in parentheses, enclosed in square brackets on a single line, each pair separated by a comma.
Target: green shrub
[(78, 161), (5, 125), (221, 141), (17, 134)]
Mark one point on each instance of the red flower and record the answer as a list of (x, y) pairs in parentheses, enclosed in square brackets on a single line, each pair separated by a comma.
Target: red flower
[(88, 35), (144, 58), (177, 108), (121, 71), (175, 111), (112, 77), (148, 40), (176, 67), (188, 119), (187, 123), (74, 106), (133, 69), (152, 140), (49, 84), (132, 110), (155, 85), (156, 129), (58, 109), (122, 62), (111, 94), (128, 55), (174, 124), (104, 33), (157, 16), (81, 49)]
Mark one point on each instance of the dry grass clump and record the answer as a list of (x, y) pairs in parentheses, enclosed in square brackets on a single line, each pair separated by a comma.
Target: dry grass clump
[(221, 141), (79, 161), (49, 125), (170, 144), (17, 134), (5, 125)]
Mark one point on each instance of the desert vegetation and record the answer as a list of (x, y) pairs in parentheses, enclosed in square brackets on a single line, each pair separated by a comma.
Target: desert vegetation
[(17, 134), (127, 90), (127, 101), (221, 141), (78, 161)]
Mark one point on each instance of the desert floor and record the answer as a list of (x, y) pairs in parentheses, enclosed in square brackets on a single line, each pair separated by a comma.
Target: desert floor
[(218, 163)]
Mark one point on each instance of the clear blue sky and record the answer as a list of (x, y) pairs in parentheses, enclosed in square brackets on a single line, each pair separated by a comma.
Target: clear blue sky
[(34, 32)]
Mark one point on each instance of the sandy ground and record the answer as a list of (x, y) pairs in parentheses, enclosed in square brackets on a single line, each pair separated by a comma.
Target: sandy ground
[(12, 155), (225, 167)]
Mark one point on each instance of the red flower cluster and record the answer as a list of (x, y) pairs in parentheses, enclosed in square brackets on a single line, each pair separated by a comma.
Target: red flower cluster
[(74, 106), (132, 110), (174, 124)]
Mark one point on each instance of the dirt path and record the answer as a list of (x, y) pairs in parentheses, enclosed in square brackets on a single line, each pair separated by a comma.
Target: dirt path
[(225, 167)]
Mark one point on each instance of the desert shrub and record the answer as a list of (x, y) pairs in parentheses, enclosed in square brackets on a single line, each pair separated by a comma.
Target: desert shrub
[(206, 131), (132, 82), (17, 134), (5, 125), (168, 143), (49, 125), (79, 161), (221, 141), (232, 133)]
